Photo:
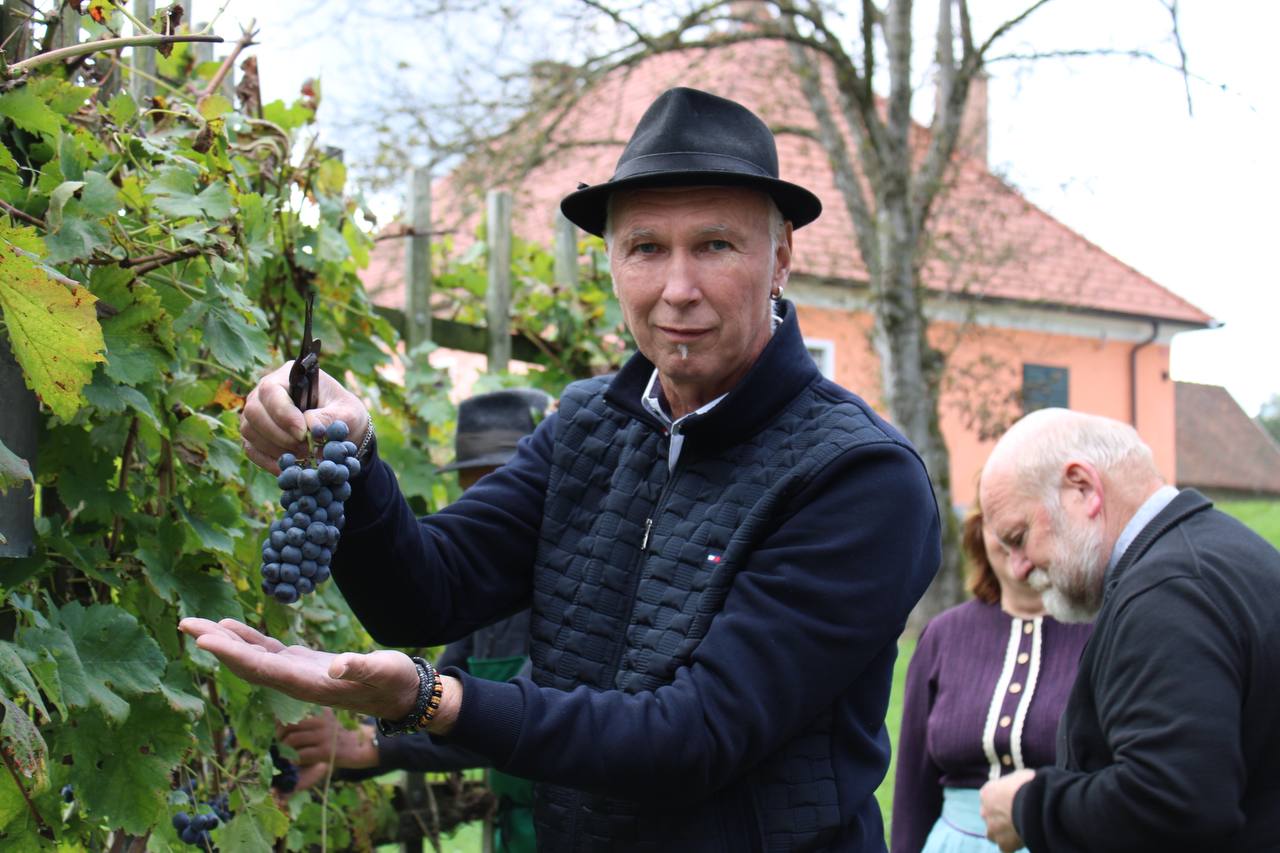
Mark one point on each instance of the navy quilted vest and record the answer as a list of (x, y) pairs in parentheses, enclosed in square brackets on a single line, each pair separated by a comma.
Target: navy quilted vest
[(633, 565)]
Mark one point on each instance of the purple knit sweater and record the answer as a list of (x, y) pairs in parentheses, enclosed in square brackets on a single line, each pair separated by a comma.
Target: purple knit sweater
[(984, 693)]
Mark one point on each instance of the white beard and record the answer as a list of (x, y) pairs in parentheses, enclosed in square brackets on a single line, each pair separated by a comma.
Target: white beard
[(1071, 585)]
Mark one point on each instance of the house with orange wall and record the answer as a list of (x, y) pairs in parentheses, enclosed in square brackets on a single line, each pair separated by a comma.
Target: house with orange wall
[(1027, 311)]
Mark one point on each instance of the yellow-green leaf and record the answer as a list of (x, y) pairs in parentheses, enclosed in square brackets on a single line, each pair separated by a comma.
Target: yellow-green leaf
[(214, 106), (52, 327)]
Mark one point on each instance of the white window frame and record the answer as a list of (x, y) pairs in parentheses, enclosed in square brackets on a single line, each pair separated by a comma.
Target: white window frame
[(824, 355)]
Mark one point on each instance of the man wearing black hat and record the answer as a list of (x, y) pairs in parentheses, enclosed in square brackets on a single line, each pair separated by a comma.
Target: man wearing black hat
[(720, 546)]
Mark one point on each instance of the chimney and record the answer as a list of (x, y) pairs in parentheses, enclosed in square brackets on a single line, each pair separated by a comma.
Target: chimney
[(973, 124)]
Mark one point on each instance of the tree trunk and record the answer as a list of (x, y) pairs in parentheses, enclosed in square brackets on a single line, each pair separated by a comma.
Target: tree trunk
[(911, 373)]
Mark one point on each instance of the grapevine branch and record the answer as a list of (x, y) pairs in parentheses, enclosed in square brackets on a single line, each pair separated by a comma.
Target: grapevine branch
[(126, 456), (23, 215), (229, 62), (76, 50), (45, 831)]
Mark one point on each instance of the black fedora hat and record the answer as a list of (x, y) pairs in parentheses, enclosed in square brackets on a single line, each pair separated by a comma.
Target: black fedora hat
[(489, 425), (690, 138)]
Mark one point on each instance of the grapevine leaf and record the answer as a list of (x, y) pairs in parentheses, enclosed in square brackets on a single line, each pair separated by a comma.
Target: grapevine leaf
[(288, 117), (29, 112), (13, 469), (7, 163), (139, 339), (14, 675), (331, 177), (214, 106), (110, 398), (176, 689), (78, 236), (205, 594), (255, 828), (175, 195), (255, 221), (84, 475), (208, 536), (122, 108), (100, 198), (55, 335), (225, 457), (63, 97), (71, 157), (19, 832), (148, 744), (235, 342), (98, 650), (22, 744)]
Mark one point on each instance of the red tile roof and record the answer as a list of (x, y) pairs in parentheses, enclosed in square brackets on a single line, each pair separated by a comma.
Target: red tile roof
[(989, 241), (1219, 446)]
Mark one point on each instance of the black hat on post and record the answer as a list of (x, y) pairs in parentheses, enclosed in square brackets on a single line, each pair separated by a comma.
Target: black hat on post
[(489, 425), (691, 138)]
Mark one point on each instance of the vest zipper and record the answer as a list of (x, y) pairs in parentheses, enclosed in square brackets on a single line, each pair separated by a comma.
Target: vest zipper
[(644, 542)]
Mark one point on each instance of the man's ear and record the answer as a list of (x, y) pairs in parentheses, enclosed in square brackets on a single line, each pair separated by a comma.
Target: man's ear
[(1083, 483), (782, 260)]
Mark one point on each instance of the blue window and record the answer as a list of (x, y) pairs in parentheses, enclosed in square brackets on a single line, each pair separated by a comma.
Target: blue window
[(1043, 387)]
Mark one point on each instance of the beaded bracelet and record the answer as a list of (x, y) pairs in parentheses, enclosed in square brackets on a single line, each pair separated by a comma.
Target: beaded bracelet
[(430, 691)]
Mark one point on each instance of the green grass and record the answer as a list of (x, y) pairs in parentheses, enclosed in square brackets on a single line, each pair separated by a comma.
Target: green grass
[(884, 794), (1261, 516)]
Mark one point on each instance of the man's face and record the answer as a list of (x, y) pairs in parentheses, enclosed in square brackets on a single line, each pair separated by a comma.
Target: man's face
[(693, 269), (1062, 557), (1070, 584)]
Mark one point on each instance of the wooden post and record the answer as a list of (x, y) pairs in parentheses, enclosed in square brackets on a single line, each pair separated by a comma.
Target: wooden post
[(498, 298), (15, 30), (19, 428), (202, 50), (143, 61), (68, 31), (417, 262), (566, 253), (20, 413)]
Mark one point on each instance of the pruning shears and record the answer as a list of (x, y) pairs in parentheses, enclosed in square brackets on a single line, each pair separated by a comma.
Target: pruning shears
[(304, 376)]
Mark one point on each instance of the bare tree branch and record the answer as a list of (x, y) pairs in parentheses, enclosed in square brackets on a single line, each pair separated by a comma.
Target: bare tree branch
[(1008, 25), (1172, 6)]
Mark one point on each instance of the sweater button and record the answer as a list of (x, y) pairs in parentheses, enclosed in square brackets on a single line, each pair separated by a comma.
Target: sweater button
[(1015, 687), (1024, 657), (1006, 721), (1006, 760), (1028, 628)]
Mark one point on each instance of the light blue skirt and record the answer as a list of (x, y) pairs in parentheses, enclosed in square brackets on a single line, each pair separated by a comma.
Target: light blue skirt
[(961, 828)]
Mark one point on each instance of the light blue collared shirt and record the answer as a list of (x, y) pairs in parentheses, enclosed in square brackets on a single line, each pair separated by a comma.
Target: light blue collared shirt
[(1150, 508)]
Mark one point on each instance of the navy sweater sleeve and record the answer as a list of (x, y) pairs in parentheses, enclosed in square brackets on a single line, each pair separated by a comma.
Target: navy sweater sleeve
[(419, 582), (1169, 697), (820, 599), (917, 790)]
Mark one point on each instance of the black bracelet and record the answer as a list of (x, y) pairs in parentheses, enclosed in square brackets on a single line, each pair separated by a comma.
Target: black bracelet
[(424, 710)]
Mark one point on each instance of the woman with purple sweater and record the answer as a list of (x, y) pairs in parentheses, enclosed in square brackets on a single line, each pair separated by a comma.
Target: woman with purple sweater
[(985, 688)]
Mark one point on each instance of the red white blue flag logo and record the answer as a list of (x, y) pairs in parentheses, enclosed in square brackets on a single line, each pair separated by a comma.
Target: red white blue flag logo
[(714, 557)]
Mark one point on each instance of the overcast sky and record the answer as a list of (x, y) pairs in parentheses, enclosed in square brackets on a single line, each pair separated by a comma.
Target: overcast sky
[(1105, 145)]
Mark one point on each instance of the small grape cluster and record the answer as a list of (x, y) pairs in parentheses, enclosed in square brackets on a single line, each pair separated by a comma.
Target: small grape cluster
[(194, 829), (285, 778), (300, 544)]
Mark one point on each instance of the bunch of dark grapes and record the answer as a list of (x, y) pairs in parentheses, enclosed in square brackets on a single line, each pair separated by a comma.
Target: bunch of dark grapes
[(285, 778), (194, 829), (300, 544)]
